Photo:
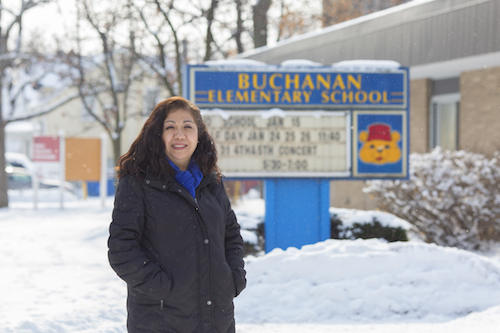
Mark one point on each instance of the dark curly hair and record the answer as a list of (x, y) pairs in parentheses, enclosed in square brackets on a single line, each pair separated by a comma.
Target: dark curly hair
[(147, 152)]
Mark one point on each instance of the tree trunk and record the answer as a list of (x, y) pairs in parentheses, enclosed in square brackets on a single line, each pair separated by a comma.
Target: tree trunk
[(210, 38), (116, 149), (260, 22), (4, 198), (239, 26)]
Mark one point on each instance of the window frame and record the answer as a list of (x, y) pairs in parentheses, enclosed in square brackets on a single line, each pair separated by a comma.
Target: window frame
[(85, 115), (148, 106), (433, 122)]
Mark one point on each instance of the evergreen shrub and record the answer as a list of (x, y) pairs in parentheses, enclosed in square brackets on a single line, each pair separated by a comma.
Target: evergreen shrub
[(366, 230)]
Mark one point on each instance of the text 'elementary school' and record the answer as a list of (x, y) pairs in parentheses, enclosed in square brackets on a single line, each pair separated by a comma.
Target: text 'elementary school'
[(298, 89)]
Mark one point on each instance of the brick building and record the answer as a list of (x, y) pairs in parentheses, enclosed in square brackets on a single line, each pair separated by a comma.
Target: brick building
[(452, 48)]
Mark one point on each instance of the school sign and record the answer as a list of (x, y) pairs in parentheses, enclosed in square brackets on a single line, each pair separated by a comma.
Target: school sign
[(295, 89), (299, 127), (275, 121)]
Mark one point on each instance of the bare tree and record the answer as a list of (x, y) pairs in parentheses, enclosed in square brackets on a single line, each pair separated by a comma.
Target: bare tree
[(238, 33), (296, 19), (210, 16), (260, 22), (336, 11), (167, 56), (105, 78), (11, 57), (227, 36), (171, 26)]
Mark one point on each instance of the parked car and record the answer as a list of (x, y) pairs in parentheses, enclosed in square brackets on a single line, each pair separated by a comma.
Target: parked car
[(19, 178), (19, 160)]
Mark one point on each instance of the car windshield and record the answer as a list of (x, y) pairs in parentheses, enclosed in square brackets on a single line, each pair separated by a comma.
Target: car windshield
[(16, 164)]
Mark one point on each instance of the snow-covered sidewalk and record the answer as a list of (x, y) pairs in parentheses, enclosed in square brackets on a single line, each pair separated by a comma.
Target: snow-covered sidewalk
[(56, 278)]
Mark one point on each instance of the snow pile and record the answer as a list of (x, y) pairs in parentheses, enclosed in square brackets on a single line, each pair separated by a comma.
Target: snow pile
[(367, 280)]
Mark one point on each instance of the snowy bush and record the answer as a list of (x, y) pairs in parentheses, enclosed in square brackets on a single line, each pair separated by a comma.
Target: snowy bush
[(250, 214), (253, 236), (371, 229), (451, 198), (353, 224)]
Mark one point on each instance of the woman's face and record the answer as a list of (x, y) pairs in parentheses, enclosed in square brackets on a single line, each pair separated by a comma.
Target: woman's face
[(180, 135)]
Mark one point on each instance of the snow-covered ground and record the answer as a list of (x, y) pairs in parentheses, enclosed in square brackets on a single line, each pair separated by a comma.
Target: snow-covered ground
[(55, 278)]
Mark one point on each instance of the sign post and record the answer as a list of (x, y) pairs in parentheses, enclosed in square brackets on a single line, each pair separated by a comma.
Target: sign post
[(46, 156), (104, 166), (297, 128), (62, 164)]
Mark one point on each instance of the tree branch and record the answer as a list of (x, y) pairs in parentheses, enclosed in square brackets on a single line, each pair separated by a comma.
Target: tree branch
[(46, 110)]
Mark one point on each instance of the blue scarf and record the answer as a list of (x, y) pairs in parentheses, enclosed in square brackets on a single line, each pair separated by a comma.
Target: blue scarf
[(189, 179)]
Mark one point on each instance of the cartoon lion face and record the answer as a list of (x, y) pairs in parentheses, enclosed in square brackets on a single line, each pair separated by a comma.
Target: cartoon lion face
[(380, 145)]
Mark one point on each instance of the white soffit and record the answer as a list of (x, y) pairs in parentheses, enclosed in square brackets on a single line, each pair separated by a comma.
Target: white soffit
[(453, 68)]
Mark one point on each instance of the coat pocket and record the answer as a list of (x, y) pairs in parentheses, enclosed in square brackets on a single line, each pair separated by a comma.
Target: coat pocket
[(240, 282), (144, 312)]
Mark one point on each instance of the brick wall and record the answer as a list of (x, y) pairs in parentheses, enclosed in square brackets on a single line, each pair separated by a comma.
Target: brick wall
[(479, 113), (420, 93)]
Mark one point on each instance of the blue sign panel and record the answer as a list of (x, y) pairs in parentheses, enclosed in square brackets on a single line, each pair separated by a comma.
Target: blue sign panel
[(318, 87), (380, 144)]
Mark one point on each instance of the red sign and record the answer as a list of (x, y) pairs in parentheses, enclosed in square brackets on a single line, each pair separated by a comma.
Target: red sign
[(46, 149)]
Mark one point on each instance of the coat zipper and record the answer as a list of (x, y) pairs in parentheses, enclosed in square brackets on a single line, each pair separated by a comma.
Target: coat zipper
[(203, 226)]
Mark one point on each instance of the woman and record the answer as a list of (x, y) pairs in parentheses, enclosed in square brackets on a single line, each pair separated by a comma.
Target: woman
[(174, 238)]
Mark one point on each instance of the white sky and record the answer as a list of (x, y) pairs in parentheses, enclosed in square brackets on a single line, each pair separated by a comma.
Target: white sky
[(44, 17), (53, 18), (56, 17)]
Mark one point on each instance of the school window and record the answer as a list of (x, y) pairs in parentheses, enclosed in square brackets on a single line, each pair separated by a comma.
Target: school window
[(444, 121), (84, 113), (151, 98)]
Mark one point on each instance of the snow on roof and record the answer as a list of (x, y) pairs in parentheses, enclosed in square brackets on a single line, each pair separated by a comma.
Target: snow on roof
[(238, 63), (359, 65), (18, 158), (300, 63), (19, 127), (363, 65)]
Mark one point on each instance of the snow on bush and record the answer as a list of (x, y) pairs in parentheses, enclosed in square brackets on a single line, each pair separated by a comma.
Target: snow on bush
[(353, 224), (250, 214), (452, 198)]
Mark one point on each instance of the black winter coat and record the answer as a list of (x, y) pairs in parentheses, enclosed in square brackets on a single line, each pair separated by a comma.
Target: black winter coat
[(182, 259)]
